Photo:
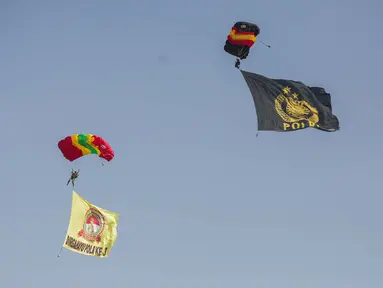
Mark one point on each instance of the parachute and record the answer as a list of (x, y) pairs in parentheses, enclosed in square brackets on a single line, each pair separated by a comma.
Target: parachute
[(78, 145), (242, 36)]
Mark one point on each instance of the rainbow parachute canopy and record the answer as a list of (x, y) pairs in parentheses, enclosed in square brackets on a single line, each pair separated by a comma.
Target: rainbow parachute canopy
[(78, 145)]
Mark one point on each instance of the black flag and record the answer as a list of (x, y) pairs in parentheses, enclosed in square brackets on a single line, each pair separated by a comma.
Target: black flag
[(286, 105)]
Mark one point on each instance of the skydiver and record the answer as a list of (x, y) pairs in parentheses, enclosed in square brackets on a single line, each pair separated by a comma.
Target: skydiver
[(237, 63), (74, 175)]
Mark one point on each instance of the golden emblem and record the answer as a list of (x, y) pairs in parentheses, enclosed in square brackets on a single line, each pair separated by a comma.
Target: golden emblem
[(291, 110)]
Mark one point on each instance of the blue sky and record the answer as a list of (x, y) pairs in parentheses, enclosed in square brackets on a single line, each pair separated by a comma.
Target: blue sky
[(203, 202)]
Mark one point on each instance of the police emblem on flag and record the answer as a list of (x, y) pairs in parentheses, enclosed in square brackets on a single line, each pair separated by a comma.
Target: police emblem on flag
[(93, 225)]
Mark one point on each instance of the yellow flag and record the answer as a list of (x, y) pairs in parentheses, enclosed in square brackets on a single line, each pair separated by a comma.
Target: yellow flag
[(92, 230)]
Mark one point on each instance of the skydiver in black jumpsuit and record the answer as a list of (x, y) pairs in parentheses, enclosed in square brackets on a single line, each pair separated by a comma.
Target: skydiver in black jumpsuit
[(237, 63)]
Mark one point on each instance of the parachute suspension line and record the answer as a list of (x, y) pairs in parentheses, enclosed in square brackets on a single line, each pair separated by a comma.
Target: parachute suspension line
[(265, 44)]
